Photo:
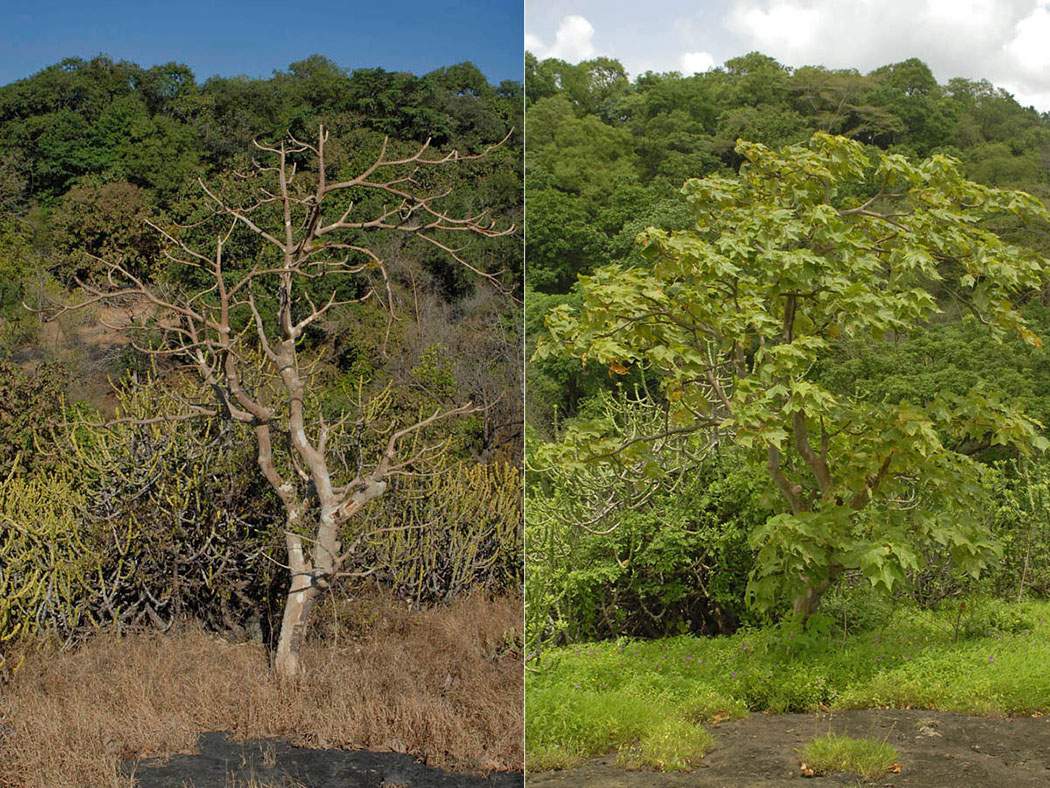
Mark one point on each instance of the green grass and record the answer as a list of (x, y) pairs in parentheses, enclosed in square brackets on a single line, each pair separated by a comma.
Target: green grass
[(865, 757), (628, 696)]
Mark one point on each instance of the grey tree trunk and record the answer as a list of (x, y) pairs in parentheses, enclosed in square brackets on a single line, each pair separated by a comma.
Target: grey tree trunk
[(302, 593), (808, 601), (297, 607)]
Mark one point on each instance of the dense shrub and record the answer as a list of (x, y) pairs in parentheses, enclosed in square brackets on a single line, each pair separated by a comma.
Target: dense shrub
[(1020, 514), (30, 407), (135, 525), (441, 536), (1017, 503), (179, 512), (680, 563), (48, 565)]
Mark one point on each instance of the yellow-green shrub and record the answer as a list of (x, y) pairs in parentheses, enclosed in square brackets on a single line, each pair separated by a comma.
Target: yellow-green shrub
[(180, 512), (48, 570), (449, 532)]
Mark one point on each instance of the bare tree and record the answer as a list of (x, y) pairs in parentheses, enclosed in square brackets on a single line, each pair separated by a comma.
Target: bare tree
[(326, 229)]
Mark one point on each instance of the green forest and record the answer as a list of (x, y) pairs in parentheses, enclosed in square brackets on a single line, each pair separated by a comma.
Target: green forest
[(786, 422)]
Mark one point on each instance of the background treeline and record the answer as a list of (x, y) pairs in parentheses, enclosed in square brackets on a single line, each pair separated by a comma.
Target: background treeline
[(142, 524), (606, 158)]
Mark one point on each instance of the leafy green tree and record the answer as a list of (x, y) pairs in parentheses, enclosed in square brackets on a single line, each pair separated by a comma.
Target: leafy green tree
[(908, 91), (765, 123), (809, 245), (562, 239), (659, 94), (755, 79), (592, 87), (319, 81), (582, 155), (673, 146), (166, 88), (104, 221), (15, 246), (837, 102), (468, 105), (541, 80)]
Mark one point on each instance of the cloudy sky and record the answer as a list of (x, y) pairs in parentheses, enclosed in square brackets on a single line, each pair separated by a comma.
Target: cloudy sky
[(1004, 41)]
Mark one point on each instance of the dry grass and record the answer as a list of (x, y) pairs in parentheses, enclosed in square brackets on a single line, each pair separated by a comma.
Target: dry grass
[(441, 684)]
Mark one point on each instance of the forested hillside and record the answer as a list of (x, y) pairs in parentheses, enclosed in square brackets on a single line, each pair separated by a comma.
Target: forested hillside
[(607, 155), (788, 408), (109, 168), (626, 540)]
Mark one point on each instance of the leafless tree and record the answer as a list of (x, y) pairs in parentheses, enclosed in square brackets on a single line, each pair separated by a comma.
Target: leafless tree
[(314, 228)]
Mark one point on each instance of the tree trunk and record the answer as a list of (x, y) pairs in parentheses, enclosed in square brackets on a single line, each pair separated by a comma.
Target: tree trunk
[(311, 576), (808, 601), (297, 606), (302, 594)]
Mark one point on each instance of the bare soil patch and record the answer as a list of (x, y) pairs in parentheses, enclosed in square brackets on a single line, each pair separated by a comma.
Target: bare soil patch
[(938, 750)]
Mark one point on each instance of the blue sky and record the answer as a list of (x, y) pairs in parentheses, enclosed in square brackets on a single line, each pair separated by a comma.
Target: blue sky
[(1004, 41), (231, 37)]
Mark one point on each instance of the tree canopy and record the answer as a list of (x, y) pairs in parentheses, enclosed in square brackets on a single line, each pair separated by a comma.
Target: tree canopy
[(600, 172), (815, 242)]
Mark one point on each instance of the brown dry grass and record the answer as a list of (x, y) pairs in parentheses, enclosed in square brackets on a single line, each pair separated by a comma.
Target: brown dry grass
[(441, 684)]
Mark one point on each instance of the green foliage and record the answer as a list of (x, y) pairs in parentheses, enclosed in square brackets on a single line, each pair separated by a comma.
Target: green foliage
[(553, 381), (563, 240), (97, 221), (446, 534), (157, 127), (591, 698), (851, 607), (433, 373), (809, 244), (677, 562), (686, 126), (833, 753), (591, 86), (577, 155), (31, 408), (48, 563), (1020, 516), (17, 266), (954, 358)]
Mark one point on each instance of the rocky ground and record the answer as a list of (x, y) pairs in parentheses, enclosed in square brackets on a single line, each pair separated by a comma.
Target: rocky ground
[(273, 763), (938, 750)]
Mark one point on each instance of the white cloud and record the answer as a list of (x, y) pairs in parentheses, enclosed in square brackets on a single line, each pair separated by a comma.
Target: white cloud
[(963, 13), (1030, 45), (572, 42), (1004, 41), (1040, 99), (532, 43), (781, 26), (696, 62)]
